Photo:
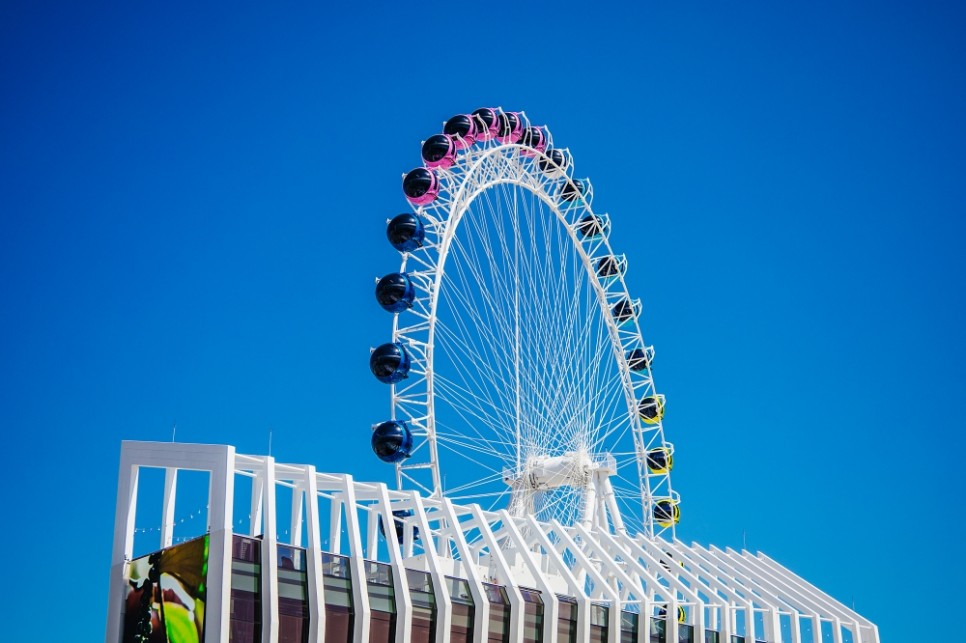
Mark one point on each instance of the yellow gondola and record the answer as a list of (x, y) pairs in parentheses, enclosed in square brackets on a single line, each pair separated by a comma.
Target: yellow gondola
[(651, 409), (660, 460), (666, 512), (682, 615)]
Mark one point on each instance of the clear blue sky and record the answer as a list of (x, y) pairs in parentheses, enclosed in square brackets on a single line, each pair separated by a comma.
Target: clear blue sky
[(192, 208)]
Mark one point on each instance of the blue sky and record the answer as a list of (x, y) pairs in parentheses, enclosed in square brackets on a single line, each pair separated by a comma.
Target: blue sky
[(192, 208)]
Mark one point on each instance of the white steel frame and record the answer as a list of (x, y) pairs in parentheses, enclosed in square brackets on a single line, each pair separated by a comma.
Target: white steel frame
[(725, 590), (477, 169)]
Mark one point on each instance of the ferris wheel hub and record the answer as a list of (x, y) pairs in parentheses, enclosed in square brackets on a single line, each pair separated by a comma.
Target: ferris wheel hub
[(573, 469)]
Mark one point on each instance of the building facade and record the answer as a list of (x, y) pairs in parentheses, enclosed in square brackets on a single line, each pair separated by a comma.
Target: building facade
[(356, 562)]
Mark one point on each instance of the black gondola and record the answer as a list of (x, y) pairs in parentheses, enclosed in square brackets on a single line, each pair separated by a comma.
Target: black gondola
[(509, 127), (651, 408), (660, 460), (639, 359), (463, 128), (666, 512), (572, 190), (392, 441), (439, 150), (390, 363), (610, 266), (534, 137), (623, 311), (400, 526), (395, 292), (420, 186), (406, 232), (553, 163), (486, 123)]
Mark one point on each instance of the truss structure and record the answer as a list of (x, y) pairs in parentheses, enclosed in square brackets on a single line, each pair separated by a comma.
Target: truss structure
[(711, 590)]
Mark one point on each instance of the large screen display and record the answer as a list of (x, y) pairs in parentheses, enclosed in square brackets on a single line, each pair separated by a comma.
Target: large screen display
[(166, 595)]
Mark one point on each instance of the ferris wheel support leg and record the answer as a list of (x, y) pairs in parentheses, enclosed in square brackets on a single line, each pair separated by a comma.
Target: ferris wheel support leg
[(611, 500), (589, 510)]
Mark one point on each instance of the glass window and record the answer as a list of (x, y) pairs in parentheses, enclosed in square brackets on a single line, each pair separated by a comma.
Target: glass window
[(245, 601), (424, 606), (337, 582), (685, 633), (293, 596), (658, 630), (599, 617), (710, 636), (461, 630), (382, 600), (498, 629), (567, 620), (629, 626), (532, 616)]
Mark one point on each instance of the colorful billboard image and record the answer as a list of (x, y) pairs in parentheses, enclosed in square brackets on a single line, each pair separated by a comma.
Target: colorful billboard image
[(166, 596)]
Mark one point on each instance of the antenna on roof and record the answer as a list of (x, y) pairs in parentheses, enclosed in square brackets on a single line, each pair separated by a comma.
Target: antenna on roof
[(269, 441), (174, 430)]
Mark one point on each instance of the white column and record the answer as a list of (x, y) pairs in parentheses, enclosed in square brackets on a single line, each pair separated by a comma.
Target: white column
[(295, 530), (221, 493), (360, 594), (255, 515), (400, 585), (269, 554), (123, 548), (481, 606), (167, 512), (313, 558), (551, 605), (506, 576)]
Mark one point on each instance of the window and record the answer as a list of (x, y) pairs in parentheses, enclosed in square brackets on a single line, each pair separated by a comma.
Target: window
[(532, 616), (424, 607), (339, 615), (293, 599), (498, 629), (461, 630), (245, 608), (567, 620), (629, 627), (599, 617)]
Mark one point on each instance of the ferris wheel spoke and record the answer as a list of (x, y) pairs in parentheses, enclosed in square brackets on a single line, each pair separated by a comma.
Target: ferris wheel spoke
[(497, 435)]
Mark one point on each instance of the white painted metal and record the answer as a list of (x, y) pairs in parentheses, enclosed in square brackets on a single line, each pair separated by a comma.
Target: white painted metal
[(638, 574), (313, 538), (505, 169)]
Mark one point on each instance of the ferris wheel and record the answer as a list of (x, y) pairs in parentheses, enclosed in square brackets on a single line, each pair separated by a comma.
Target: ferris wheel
[(517, 370)]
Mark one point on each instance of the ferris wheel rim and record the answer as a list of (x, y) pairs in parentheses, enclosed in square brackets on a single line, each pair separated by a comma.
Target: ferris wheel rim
[(455, 209)]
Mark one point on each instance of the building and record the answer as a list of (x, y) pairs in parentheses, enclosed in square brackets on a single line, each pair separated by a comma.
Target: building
[(441, 573)]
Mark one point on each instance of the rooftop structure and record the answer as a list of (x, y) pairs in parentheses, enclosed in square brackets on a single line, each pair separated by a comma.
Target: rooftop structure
[(442, 572)]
